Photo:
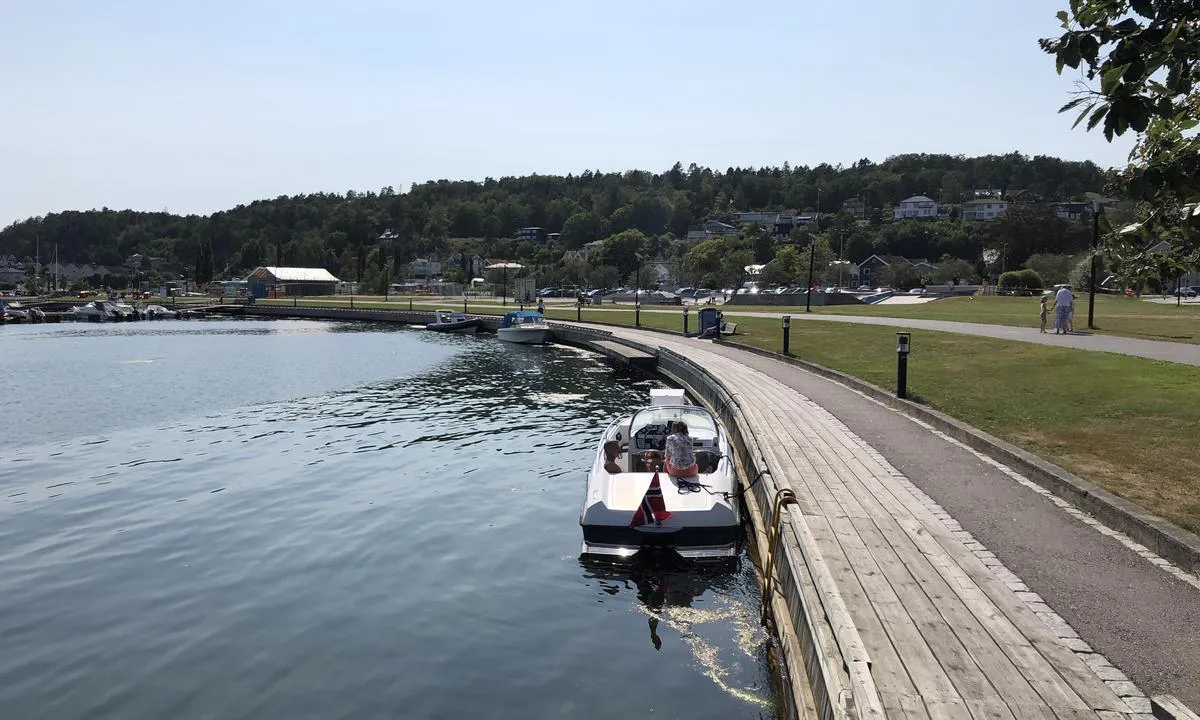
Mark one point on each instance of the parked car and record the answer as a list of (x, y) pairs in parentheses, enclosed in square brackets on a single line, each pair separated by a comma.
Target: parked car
[(1186, 292)]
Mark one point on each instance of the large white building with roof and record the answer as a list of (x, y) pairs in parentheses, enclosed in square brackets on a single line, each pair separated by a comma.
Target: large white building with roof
[(916, 207), (266, 281)]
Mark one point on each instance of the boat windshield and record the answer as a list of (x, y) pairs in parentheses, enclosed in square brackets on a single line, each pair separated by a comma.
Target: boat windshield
[(651, 426)]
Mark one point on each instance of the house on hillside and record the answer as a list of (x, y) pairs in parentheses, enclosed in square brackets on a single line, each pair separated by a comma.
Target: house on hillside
[(716, 227), (1072, 211), (985, 209), (533, 234), (855, 206), (916, 207), (1022, 196), (710, 229), (265, 281), (870, 269), (424, 268)]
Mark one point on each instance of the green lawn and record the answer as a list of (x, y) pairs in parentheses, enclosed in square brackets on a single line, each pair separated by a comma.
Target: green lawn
[(1115, 314)]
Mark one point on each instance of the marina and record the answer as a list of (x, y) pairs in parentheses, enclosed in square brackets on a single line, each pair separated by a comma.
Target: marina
[(878, 604), (881, 608)]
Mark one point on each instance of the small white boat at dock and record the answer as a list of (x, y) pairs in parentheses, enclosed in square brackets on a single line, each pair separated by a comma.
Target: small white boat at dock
[(524, 326), (701, 515), (449, 321)]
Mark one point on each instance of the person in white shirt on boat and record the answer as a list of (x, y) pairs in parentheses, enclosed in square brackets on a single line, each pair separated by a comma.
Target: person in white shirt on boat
[(680, 457)]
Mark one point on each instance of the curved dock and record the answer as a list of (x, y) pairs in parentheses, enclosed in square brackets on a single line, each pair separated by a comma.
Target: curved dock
[(884, 606), (899, 618)]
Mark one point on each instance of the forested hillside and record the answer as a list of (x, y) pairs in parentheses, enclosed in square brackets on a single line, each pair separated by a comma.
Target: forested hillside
[(342, 232)]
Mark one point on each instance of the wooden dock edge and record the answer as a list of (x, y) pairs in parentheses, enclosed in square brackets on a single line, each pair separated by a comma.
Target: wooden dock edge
[(1167, 707), (1161, 537), (805, 606)]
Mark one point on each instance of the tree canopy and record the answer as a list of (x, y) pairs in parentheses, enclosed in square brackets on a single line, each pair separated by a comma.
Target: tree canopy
[(1140, 61), (370, 236)]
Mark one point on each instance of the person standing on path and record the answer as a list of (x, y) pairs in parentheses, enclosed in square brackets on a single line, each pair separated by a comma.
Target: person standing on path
[(1063, 304), (1042, 313)]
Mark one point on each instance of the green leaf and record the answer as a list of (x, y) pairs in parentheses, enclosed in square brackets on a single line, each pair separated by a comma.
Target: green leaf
[(1069, 54), (1062, 17), (1097, 115), (1138, 116), (1110, 79), (1135, 72), (1082, 115), (1089, 48), (1074, 103), (1174, 34), (1143, 7)]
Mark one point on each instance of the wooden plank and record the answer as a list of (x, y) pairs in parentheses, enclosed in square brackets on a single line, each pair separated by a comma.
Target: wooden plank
[(972, 684), (1037, 672), (1044, 679), (936, 541), (1168, 707), (888, 671)]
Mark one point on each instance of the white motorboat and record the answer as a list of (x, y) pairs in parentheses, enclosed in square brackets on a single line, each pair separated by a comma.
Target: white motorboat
[(449, 321), (524, 326), (158, 312), (92, 312), (703, 511)]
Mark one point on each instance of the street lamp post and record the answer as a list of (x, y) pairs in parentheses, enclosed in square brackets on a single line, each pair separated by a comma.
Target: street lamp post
[(1097, 202), (812, 257), (1092, 278), (637, 297)]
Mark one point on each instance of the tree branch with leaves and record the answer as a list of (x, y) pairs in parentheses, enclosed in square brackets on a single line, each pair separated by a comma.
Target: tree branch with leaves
[(1145, 57)]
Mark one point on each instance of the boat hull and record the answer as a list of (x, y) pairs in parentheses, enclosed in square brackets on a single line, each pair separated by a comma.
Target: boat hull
[(689, 542), (463, 327), (524, 335)]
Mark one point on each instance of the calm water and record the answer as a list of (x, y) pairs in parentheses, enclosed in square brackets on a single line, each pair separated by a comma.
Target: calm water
[(316, 520)]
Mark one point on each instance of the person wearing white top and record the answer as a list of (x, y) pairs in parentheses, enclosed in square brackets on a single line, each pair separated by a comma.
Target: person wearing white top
[(680, 457), (1064, 303)]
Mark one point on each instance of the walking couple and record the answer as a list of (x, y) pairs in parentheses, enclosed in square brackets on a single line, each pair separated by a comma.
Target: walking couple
[(1064, 311)]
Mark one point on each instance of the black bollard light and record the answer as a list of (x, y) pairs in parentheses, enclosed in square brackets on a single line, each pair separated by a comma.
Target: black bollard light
[(787, 332), (720, 321), (579, 310), (902, 346), (685, 319), (410, 304), (464, 303), (352, 302)]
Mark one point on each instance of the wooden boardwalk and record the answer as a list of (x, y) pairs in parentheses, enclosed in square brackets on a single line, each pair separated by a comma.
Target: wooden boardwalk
[(945, 636)]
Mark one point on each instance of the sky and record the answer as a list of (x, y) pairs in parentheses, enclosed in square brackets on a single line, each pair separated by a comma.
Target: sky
[(198, 107)]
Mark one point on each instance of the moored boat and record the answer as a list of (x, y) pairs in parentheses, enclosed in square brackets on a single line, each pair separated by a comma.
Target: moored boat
[(640, 505), (453, 322), (524, 326)]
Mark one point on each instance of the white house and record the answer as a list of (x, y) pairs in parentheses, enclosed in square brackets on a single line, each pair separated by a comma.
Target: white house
[(986, 209), (917, 206), (425, 268)]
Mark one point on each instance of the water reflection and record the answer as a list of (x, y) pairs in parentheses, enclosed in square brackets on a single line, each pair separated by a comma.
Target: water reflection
[(705, 606)]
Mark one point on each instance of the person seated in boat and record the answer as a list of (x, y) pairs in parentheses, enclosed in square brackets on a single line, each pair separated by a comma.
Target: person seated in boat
[(650, 461), (612, 451), (680, 457)]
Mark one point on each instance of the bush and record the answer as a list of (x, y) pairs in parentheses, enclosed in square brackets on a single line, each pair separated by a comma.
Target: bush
[(1021, 280), (1054, 269)]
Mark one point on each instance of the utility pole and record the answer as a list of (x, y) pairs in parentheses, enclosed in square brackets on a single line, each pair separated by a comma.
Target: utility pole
[(812, 256)]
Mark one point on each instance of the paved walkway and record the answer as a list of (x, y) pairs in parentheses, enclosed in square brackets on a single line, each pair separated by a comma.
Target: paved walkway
[(971, 588), (1183, 353)]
